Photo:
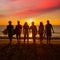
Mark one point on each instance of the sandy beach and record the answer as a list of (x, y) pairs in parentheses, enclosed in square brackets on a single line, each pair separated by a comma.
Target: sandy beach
[(29, 51), (30, 19)]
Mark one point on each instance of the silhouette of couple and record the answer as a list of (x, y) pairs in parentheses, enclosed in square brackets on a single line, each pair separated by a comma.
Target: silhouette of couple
[(41, 31), (47, 31)]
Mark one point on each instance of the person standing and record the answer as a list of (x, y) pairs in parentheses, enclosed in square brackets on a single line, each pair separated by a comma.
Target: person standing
[(26, 32), (49, 29), (41, 32), (10, 31), (34, 31), (18, 30)]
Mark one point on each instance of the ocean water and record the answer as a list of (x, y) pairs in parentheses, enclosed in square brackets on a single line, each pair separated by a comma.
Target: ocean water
[(56, 30)]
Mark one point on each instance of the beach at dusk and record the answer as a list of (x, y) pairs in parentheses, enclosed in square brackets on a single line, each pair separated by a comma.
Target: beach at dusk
[(29, 51), (29, 29)]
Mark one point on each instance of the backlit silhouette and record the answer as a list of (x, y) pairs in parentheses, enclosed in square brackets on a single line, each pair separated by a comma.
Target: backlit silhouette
[(48, 29), (10, 31), (26, 31), (18, 31), (41, 31), (34, 31)]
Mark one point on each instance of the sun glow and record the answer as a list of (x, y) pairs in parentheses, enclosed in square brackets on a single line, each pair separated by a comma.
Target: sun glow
[(29, 21), (30, 35)]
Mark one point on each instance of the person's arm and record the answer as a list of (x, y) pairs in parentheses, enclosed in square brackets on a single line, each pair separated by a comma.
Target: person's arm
[(7, 28), (39, 30), (21, 28), (36, 29), (28, 27), (52, 29), (13, 27), (45, 30)]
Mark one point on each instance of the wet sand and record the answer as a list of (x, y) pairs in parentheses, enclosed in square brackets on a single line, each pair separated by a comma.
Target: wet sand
[(29, 51)]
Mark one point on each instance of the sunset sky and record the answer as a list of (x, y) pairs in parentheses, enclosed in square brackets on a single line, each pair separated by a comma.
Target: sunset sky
[(30, 10)]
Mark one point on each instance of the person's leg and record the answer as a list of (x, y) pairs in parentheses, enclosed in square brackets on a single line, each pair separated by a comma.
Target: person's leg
[(17, 38), (27, 38), (10, 38), (34, 38), (41, 39), (49, 39), (24, 38)]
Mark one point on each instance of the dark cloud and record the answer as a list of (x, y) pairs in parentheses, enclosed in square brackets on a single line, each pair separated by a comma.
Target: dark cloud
[(47, 9)]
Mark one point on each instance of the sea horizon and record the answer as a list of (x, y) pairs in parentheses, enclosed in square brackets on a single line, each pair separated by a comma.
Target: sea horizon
[(56, 33)]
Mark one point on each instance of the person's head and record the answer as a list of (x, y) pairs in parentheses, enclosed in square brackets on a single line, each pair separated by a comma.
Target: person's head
[(9, 22), (25, 23), (32, 23), (47, 21), (41, 23), (18, 22)]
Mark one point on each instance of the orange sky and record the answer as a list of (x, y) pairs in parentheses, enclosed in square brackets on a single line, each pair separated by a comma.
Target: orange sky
[(53, 16)]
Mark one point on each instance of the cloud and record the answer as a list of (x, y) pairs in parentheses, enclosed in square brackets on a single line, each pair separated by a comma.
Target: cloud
[(34, 11), (28, 7)]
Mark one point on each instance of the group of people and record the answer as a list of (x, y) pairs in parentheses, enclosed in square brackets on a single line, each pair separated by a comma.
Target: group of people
[(41, 31)]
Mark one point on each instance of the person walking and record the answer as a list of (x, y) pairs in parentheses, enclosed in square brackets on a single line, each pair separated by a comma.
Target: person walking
[(18, 30), (34, 31), (41, 32), (10, 31), (26, 32), (49, 29)]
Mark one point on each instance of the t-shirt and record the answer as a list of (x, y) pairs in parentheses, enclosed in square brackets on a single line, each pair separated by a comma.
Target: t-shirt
[(18, 29), (10, 28), (41, 29), (25, 28), (48, 29), (34, 29)]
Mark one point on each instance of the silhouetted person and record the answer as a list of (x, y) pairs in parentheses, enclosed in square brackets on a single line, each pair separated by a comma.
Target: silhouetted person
[(10, 31), (34, 31), (49, 30), (41, 31), (26, 31), (18, 29)]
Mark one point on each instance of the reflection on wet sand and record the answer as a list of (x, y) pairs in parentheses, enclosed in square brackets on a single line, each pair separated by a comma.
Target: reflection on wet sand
[(29, 51)]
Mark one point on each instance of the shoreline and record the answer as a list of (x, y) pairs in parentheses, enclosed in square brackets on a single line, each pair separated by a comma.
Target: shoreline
[(5, 40), (6, 37)]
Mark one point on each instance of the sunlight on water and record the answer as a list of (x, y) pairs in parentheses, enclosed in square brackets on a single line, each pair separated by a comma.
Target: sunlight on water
[(56, 30), (30, 35)]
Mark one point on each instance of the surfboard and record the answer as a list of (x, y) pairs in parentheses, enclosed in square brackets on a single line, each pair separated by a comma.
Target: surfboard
[(5, 31)]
